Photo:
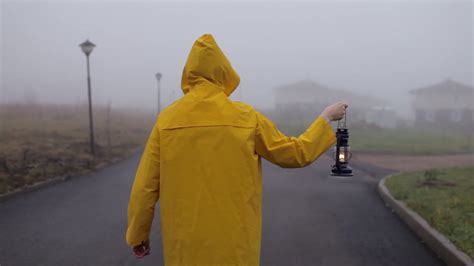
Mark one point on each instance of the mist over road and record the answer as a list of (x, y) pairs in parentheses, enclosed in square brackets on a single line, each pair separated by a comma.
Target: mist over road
[(308, 219)]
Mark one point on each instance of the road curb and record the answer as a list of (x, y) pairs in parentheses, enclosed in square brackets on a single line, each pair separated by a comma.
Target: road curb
[(33, 187), (442, 246), (63, 178)]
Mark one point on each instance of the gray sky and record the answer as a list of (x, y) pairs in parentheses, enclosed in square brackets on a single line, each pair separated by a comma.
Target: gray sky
[(384, 49)]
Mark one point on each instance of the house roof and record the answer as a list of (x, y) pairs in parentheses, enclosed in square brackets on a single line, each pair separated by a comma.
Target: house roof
[(312, 87), (447, 85), (303, 85)]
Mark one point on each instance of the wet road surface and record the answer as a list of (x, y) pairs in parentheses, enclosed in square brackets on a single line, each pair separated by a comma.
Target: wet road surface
[(309, 218)]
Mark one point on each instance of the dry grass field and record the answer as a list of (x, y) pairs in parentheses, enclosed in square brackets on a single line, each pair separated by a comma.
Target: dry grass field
[(39, 142)]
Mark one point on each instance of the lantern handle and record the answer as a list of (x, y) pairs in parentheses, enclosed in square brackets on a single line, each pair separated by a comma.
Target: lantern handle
[(344, 122), (345, 116)]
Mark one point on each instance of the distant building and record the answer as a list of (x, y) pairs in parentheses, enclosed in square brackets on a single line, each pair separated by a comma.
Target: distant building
[(445, 105), (382, 116), (303, 101)]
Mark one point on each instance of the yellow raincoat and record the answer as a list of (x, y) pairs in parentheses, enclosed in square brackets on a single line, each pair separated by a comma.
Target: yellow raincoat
[(203, 161)]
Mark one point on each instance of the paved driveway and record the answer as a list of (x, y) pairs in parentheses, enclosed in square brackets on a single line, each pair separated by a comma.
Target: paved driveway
[(308, 219)]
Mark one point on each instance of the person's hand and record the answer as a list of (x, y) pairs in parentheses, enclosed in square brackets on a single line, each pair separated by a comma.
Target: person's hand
[(142, 250), (335, 111)]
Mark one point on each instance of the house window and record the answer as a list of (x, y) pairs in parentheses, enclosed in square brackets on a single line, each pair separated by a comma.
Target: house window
[(456, 115), (430, 115)]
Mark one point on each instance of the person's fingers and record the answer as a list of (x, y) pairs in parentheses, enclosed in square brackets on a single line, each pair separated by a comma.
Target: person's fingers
[(335, 111), (138, 254), (141, 254), (142, 250), (344, 104), (341, 114)]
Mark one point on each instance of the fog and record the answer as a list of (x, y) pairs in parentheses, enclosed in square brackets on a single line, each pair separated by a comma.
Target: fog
[(382, 49), (77, 185)]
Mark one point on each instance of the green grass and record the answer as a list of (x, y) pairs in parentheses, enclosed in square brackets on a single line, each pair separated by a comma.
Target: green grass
[(410, 141), (401, 141), (444, 198)]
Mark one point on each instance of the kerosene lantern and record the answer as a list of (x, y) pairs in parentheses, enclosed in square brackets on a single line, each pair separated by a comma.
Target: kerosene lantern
[(342, 152)]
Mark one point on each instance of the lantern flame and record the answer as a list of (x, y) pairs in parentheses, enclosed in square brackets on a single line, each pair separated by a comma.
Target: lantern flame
[(342, 157)]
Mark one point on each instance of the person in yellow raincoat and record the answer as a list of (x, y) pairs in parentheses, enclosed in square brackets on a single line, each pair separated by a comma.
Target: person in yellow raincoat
[(203, 162)]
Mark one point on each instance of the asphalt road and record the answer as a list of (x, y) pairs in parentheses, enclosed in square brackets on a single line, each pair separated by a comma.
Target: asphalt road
[(309, 218)]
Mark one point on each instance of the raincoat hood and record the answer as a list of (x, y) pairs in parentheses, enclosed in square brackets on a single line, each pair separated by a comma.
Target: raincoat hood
[(207, 64)]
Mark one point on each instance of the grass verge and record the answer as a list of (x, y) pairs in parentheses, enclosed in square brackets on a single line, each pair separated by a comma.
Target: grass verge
[(401, 141), (444, 198), (40, 142), (411, 141)]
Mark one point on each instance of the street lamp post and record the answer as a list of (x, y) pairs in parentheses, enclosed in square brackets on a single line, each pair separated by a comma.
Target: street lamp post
[(87, 48), (158, 78)]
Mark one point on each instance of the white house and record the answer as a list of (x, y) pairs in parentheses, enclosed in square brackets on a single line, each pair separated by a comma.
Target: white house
[(302, 101), (445, 104)]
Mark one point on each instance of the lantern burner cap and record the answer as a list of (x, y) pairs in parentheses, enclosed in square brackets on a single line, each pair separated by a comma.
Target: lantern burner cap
[(342, 172)]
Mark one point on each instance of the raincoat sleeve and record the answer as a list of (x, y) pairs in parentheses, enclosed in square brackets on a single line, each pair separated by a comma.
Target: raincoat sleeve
[(293, 152), (145, 192)]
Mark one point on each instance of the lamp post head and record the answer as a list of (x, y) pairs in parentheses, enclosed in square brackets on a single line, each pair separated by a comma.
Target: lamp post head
[(158, 76), (87, 47)]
